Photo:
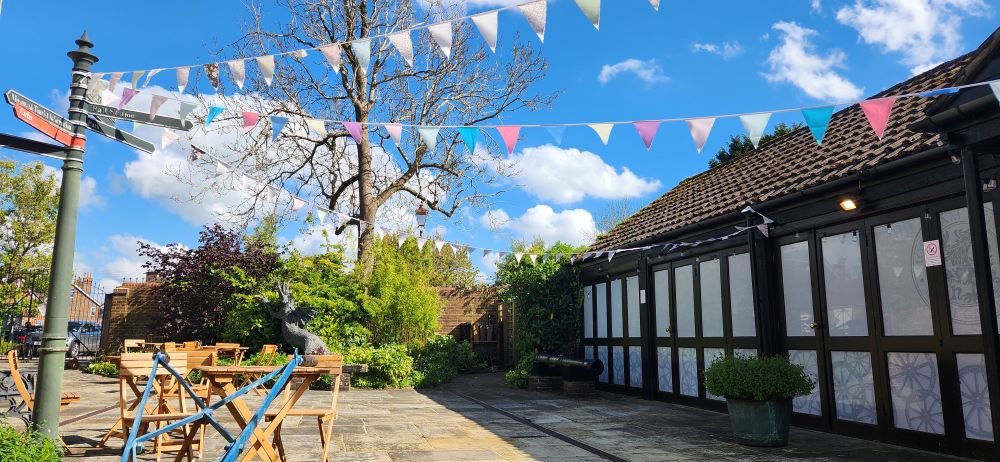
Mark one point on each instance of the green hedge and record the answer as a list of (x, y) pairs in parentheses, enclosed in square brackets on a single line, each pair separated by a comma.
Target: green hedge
[(756, 378)]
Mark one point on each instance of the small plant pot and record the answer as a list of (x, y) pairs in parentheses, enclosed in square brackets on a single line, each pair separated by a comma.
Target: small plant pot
[(760, 423)]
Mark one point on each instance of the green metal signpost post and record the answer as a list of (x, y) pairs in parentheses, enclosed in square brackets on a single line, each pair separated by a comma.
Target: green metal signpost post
[(48, 387)]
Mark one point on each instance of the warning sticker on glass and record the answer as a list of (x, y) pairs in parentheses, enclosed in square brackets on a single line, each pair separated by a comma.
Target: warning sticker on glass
[(932, 253)]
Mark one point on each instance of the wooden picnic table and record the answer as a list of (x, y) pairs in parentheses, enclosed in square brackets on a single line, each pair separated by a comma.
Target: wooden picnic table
[(234, 350)]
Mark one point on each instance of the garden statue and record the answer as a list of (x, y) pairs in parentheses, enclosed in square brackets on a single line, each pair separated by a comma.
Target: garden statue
[(293, 324)]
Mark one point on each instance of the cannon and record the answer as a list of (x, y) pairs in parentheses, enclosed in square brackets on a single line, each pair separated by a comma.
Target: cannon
[(571, 369)]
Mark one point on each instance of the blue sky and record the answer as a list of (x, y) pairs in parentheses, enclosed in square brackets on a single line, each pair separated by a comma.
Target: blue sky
[(689, 59)]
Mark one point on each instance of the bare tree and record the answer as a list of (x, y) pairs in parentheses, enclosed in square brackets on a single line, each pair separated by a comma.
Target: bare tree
[(471, 87)]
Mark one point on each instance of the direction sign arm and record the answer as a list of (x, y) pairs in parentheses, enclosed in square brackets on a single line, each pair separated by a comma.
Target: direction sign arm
[(29, 145)]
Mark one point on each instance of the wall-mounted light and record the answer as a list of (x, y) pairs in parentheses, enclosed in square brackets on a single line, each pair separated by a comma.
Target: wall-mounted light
[(989, 184), (955, 159), (848, 204)]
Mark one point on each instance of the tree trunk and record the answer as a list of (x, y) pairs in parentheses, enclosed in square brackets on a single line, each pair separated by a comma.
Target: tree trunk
[(367, 206)]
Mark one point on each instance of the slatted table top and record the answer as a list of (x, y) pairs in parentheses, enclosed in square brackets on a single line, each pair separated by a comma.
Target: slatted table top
[(219, 371)]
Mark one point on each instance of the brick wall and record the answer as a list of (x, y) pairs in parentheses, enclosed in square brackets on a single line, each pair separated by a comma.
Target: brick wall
[(473, 314), (130, 312)]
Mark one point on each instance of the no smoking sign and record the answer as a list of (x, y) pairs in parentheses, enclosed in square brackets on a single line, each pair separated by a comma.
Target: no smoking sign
[(932, 253)]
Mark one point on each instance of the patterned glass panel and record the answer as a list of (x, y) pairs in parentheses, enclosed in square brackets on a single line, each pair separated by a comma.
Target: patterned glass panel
[(618, 365), (853, 388), (916, 395), (661, 292), (635, 366), (602, 310), (588, 352), (588, 312), (709, 355), (602, 354), (796, 287), (902, 279), (845, 290), (956, 243), (684, 278), (741, 296), (664, 368), (808, 404), (975, 396), (711, 298), (632, 289), (616, 308), (689, 371)]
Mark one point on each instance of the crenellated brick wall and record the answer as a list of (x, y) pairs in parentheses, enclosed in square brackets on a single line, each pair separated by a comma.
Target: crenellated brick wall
[(131, 312)]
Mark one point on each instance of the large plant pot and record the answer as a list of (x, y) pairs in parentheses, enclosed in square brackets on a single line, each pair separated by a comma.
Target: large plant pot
[(760, 423)]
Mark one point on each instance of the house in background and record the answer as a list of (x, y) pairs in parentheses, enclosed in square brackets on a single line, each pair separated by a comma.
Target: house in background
[(880, 302)]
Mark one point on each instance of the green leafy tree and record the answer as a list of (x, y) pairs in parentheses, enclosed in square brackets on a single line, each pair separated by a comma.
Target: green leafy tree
[(740, 145), (401, 305), (323, 285)]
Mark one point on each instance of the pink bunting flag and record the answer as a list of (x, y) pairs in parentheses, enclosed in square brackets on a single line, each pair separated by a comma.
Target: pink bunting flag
[(700, 128), (154, 104), (354, 128), (395, 132), (877, 111), (297, 204), (509, 134), (127, 95), (647, 131), (250, 120)]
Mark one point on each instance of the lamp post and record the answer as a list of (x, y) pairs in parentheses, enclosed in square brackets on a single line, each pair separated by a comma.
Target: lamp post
[(421, 214)]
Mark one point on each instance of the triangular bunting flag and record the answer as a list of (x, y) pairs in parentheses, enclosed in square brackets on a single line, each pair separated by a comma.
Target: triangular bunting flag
[(185, 110), (534, 13), (470, 136), (656, 4), (213, 112), (297, 204), (591, 9), (113, 81), (135, 78), (237, 70), (395, 132), (400, 241), (557, 132), (603, 131), (108, 98), (379, 232), (299, 54), (150, 75), (250, 120), (442, 36), (195, 153), (182, 78), (647, 131), (509, 134), (317, 126), (877, 112), (700, 128), (221, 168), (487, 25), (534, 259), (763, 229), (559, 256), (277, 124), (127, 95), (362, 50), (611, 255), (817, 119), (755, 124), (404, 45), (212, 72), (167, 137), (320, 215), (429, 136), (486, 253), (154, 104), (518, 256), (995, 86), (266, 65), (438, 245), (420, 243), (332, 55), (354, 128)]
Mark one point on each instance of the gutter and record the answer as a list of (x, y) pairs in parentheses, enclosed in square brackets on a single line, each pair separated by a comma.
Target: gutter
[(951, 117)]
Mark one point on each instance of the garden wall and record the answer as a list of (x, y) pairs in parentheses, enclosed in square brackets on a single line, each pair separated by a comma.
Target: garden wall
[(473, 314), (130, 312)]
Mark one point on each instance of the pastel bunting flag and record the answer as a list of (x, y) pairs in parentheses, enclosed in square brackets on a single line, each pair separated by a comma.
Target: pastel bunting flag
[(297, 204), (557, 132), (277, 124), (817, 119), (534, 13), (108, 98), (404, 45), (362, 50), (429, 136), (354, 128), (438, 245), (379, 232), (420, 243), (332, 55), (603, 131), (877, 112), (167, 137), (442, 36), (135, 78), (400, 240), (534, 258), (266, 66), (316, 125), (647, 131), (939, 92), (395, 132), (700, 129), (995, 86), (250, 120), (509, 134), (221, 168), (518, 256), (127, 95), (320, 215), (182, 78), (195, 153), (592, 10), (213, 112), (185, 110), (470, 135), (656, 4), (487, 25), (611, 255), (113, 81), (154, 104), (299, 54), (755, 124), (237, 71), (486, 253), (212, 72), (150, 75)]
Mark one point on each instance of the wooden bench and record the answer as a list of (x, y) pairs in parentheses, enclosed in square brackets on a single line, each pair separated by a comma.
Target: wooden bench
[(25, 387)]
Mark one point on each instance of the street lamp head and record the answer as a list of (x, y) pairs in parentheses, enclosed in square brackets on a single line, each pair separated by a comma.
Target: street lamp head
[(421, 214)]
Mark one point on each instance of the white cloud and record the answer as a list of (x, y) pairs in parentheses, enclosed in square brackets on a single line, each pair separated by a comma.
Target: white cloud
[(815, 6), (796, 61), (573, 226), (89, 195), (569, 175), (648, 71), (121, 260), (725, 50), (925, 32)]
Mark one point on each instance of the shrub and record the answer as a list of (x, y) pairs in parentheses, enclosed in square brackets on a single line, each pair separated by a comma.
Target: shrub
[(518, 377), (102, 368), (18, 446), (6, 346), (400, 304), (322, 285), (756, 378), (443, 358), (388, 365)]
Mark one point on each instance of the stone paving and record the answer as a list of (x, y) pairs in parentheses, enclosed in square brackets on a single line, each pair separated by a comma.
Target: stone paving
[(451, 423)]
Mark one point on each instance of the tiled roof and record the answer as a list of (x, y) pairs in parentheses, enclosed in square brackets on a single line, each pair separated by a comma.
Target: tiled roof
[(791, 163)]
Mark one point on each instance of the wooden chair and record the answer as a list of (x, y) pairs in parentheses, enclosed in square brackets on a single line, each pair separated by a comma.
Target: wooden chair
[(196, 358), (235, 349), (25, 391), (132, 368), (132, 345), (324, 416), (191, 345), (268, 354)]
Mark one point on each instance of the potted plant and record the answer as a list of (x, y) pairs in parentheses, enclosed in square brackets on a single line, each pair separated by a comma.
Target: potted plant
[(759, 394)]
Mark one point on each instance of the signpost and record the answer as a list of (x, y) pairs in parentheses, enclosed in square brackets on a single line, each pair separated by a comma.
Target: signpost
[(141, 117), (42, 118), (110, 131)]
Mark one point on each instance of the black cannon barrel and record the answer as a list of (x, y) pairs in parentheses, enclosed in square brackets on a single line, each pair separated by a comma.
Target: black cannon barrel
[(592, 366)]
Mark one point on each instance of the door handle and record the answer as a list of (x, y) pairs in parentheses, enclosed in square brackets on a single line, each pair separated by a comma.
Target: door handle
[(667, 329), (813, 325)]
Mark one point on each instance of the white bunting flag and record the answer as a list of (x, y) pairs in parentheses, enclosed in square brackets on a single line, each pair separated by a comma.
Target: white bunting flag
[(429, 136), (404, 45), (603, 131), (420, 243), (299, 54), (108, 98), (221, 168), (395, 132), (656, 4), (297, 204), (149, 76), (611, 255), (700, 128), (332, 55), (317, 125), (135, 78), (154, 104), (379, 232), (534, 259), (362, 50), (167, 138), (237, 70), (115, 77), (266, 65), (185, 110), (182, 78), (442, 36), (320, 215), (438, 245), (486, 253), (534, 13), (518, 256), (487, 25), (591, 9), (763, 229), (400, 241), (755, 124)]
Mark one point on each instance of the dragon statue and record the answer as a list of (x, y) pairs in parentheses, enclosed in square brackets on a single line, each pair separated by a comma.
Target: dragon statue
[(293, 324)]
